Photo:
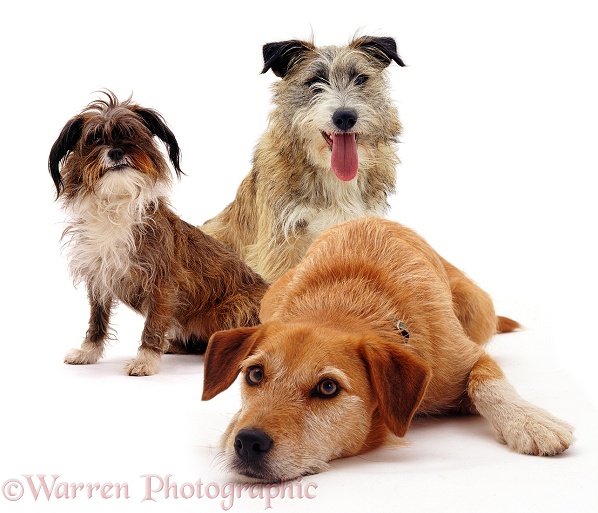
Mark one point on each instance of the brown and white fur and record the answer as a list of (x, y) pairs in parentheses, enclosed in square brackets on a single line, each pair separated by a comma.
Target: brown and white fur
[(327, 156), (371, 328), (126, 243)]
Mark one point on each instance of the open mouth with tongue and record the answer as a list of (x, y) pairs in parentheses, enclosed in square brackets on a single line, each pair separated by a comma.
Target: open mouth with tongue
[(344, 160)]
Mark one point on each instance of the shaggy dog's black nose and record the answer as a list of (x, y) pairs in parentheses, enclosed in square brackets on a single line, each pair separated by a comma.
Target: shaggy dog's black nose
[(252, 444), (344, 119), (116, 154)]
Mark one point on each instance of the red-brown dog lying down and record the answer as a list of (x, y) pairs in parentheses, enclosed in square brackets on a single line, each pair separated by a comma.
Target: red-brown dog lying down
[(372, 327)]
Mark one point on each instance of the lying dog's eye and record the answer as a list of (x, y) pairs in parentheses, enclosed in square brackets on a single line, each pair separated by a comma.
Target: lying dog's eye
[(361, 79), (254, 375), (327, 388)]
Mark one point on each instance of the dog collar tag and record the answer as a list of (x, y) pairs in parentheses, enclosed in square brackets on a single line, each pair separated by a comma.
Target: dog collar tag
[(402, 327), (403, 330)]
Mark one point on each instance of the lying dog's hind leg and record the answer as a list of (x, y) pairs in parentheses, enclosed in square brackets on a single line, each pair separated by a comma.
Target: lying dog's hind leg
[(474, 308), (523, 427)]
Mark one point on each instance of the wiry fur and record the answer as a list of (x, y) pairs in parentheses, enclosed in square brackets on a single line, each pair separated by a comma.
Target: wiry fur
[(292, 194), (375, 310), (127, 245)]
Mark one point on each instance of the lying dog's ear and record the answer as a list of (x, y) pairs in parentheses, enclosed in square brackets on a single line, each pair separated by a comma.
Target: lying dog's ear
[(158, 127), (282, 56), (399, 380), (226, 350), (66, 142), (383, 49)]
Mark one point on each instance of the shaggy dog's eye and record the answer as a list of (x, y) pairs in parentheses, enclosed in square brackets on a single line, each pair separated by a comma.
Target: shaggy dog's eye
[(254, 375), (326, 389), (361, 79), (93, 138)]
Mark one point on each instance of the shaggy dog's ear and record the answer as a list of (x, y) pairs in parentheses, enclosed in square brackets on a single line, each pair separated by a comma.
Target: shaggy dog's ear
[(226, 350), (66, 142), (281, 57), (158, 127), (383, 49), (399, 381)]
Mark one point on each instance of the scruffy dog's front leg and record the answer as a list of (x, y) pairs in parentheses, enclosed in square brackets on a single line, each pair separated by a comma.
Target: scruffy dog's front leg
[(520, 425), (153, 338), (92, 348), (274, 251)]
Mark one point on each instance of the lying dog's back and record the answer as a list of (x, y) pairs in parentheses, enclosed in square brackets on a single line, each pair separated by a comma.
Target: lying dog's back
[(395, 283)]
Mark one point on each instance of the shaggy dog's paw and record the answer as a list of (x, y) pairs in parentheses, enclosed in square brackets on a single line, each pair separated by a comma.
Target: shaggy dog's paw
[(147, 363), (83, 356)]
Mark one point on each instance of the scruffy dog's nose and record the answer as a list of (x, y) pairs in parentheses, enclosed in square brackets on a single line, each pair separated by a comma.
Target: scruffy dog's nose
[(252, 444), (116, 154), (344, 119)]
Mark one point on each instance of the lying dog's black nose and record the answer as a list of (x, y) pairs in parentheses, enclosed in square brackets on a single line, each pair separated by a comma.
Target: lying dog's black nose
[(344, 119), (116, 154), (252, 444)]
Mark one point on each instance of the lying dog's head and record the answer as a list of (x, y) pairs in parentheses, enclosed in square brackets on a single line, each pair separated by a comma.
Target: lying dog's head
[(335, 100), (310, 394), (109, 148)]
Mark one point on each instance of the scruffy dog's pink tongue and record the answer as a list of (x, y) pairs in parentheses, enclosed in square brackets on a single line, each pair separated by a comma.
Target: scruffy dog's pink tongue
[(344, 156)]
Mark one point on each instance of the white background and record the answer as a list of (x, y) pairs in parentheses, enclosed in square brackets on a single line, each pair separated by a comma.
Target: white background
[(498, 172)]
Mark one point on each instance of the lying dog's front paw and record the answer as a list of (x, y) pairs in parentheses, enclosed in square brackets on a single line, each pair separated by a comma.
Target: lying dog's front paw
[(81, 357), (147, 363), (532, 430)]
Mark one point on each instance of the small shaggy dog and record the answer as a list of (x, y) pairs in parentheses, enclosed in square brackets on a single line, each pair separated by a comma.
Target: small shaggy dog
[(371, 328), (328, 154), (128, 245)]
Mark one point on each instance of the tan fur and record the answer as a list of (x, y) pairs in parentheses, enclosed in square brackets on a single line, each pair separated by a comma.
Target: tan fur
[(127, 245), (373, 308), (291, 194)]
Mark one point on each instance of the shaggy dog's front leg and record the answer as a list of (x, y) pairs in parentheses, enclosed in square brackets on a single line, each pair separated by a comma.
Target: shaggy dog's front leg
[(153, 340), (92, 348)]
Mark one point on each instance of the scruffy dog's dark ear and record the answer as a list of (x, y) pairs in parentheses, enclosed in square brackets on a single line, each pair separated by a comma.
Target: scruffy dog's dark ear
[(282, 56), (66, 142), (158, 127), (383, 49)]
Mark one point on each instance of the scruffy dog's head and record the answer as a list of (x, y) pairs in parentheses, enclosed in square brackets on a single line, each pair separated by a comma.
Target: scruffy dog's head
[(105, 139), (334, 100)]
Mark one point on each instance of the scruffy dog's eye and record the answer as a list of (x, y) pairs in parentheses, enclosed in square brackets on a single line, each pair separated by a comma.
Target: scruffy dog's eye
[(316, 83), (361, 79), (327, 388), (254, 375)]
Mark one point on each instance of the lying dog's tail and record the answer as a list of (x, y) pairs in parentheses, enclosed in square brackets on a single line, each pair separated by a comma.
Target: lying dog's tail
[(506, 325)]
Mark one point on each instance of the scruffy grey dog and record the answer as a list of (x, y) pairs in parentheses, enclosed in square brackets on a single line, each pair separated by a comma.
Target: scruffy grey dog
[(327, 156)]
